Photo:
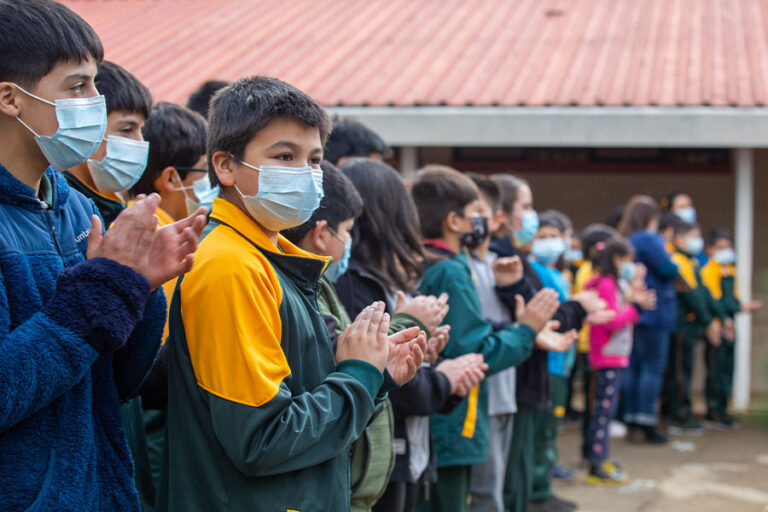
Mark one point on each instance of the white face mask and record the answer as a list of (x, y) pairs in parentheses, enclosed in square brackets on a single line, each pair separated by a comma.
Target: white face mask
[(122, 166), (203, 191)]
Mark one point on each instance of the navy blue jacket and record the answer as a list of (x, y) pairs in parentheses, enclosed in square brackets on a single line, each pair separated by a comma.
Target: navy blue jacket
[(651, 252), (76, 338)]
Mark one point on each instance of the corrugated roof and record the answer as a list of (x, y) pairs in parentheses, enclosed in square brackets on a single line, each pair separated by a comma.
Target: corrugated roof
[(450, 52)]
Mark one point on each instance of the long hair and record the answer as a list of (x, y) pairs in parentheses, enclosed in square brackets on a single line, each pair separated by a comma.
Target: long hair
[(640, 212), (386, 239)]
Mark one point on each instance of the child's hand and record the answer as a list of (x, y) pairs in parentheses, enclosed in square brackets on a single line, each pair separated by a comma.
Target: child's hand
[(366, 338), (406, 353), (539, 310), (590, 301), (729, 330), (436, 344), (549, 339), (641, 271), (508, 270), (429, 310), (646, 299), (714, 333), (750, 307), (464, 372)]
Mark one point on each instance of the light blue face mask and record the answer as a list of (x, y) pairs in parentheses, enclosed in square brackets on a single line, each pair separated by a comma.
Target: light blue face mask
[(122, 166), (627, 271), (338, 268), (82, 124), (687, 214), (548, 250), (694, 246), (204, 192), (725, 256), (574, 255), (287, 195), (530, 223)]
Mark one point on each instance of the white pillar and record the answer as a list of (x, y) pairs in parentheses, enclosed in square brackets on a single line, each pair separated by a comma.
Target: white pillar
[(409, 161), (745, 211)]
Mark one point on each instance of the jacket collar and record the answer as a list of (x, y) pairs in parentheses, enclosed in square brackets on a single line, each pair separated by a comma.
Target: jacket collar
[(14, 192)]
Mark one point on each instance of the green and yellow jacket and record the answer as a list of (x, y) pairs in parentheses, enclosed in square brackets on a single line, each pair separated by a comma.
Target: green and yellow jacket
[(720, 280), (260, 416), (461, 437), (696, 308)]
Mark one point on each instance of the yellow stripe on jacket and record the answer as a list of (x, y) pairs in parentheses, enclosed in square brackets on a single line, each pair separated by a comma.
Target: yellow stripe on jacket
[(230, 302), (685, 270), (470, 420), (712, 275), (583, 276)]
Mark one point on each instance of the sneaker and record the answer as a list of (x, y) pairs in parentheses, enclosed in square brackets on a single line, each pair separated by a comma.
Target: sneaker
[(552, 504), (606, 473), (689, 427), (561, 473), (652, 435)]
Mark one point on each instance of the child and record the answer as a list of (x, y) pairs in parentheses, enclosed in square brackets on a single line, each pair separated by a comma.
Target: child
[(448, 207), (352, 139), (719, 276), (698, 315), (261, 409), (80, 313), (200, 99), (620, 282), (120, 160)]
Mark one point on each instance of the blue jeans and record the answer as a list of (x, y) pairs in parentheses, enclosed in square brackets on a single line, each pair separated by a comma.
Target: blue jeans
[(644, 378)]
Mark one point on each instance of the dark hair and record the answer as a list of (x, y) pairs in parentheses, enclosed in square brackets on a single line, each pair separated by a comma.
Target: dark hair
[(386, 236), (341, 202), (719, 234), (614, 218), (552, 220), (638, 215), (352, 138), (669, 200), (614, 247), (200, 100), (239, 111), (488, 189), (37, 35), (682, 228), (591, 238), (122, 91), (176, 137), (510, 188), (437, 191), (668, 220)]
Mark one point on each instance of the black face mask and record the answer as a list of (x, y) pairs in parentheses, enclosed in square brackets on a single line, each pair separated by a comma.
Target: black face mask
[(478, 235)]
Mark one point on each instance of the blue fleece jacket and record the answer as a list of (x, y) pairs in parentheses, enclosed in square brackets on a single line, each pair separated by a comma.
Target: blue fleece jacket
[(651, 252), (76, 338)]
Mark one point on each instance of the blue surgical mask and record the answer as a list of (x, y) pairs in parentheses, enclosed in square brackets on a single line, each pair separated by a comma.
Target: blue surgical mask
[(574, 255), (548, 250), (204, 192), (530, 223), (338, 268), (687, 214), (627, 271), (287, 195), (725, 256), (82, 124), (694, 246), (122, 166)]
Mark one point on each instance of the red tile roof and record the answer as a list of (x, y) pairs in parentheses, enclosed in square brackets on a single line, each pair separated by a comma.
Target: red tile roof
[(452, 52)]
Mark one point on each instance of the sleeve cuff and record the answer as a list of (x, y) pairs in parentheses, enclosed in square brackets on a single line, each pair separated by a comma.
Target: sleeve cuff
[(365, 373), (404, 319)]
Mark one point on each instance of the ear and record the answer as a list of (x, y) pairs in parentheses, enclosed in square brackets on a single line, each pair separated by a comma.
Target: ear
[(9, 99), (497, 220), (319, 236), (167, 181), (224, 167), (453, 222)]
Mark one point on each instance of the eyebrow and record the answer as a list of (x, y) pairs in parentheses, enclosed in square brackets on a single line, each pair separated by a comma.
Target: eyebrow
[(292, 146), (79, 76), (129, 122)]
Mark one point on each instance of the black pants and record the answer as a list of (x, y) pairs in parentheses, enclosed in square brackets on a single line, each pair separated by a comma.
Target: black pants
[(399, 497)]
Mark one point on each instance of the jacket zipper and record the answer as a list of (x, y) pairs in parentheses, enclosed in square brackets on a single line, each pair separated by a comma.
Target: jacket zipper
[(47, 214)]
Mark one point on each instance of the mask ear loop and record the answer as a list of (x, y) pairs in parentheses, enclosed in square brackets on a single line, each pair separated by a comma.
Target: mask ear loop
[(26, 126)]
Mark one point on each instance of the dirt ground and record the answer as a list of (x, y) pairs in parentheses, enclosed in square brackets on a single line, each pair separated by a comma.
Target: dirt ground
[(716, 472)]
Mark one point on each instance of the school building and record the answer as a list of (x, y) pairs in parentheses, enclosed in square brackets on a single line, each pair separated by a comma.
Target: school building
[(592, 101)]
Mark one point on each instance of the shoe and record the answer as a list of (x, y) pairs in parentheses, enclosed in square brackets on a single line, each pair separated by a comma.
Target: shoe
[(606, 473), (652, 435), (729, 421), (552, 504), (688, 427), (561, 473)]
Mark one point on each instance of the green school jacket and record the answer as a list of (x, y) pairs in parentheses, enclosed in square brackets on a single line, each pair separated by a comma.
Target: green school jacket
[(461, 438), (695, 306)]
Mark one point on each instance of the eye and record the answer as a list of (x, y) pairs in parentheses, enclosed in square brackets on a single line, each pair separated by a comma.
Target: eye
[(78, 87), (315, 161), (284, 157)]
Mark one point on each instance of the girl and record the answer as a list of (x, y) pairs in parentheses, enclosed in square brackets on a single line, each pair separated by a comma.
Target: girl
[(620, 284)]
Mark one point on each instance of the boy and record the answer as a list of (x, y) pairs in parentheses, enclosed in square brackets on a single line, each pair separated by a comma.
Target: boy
[(352, 139), (261, 412), (79, 321), (698, 315), (121, 158), (200, 100), (449, 210), (719, 276)]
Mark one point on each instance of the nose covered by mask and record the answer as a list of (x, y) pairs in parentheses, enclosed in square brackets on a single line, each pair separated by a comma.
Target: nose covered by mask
[(725, 256), (477, 236), (548, 250), (82, 125), (627, 270), (287, 195), (530, 226), (204, 194), (687, 214), (694, 246), (122, 166)]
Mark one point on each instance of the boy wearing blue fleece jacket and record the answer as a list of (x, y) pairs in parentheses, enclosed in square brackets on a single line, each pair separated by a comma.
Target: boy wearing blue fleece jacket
[(79, 321)]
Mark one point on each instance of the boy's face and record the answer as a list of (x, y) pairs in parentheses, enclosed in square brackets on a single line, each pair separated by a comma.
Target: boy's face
[(335, 245), (548, 232), (486, 210), (66, 80), (720, 244), (681, 241), (122, 124), (680, 202), (282, 142)]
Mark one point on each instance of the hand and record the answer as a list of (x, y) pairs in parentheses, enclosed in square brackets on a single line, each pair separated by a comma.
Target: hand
[(750, 307), (641, 271), (646, 299), (406, 353), (366, 338), (508, 270), (429, 310), (464, 372), (539, 310), (590, 301), (134, 241), (714, 334), (729, 330), (549, 339), (436, 344), (600, 317)]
